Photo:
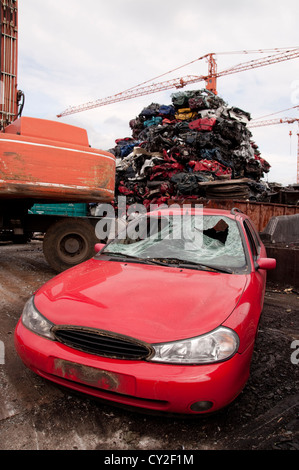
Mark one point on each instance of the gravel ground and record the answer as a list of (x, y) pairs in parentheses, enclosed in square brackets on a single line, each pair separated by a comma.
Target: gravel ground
[(37, 415)]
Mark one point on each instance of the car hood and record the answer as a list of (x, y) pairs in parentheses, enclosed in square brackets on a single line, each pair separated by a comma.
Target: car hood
[(147, 302)]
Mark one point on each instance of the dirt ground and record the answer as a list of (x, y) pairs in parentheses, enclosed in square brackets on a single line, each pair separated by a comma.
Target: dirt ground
[(37, 415)]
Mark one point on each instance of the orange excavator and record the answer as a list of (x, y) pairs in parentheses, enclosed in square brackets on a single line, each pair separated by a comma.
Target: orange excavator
[(44, 161)]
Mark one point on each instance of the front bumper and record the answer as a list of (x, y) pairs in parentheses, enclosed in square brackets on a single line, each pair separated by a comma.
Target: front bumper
[(148, 385)]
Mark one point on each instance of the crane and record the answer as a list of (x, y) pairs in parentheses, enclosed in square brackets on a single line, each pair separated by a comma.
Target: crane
[(285, 120), (280, 54), (8, 61), (11, 99)]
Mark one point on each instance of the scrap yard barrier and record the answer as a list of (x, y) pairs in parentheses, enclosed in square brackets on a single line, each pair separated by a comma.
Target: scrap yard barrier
[(259, 212)]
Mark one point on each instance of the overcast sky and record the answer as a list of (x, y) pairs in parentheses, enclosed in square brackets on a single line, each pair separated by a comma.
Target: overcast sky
[(72, 52)]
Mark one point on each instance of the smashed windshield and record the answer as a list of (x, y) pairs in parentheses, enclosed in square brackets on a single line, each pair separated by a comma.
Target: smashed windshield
[(209, 240)]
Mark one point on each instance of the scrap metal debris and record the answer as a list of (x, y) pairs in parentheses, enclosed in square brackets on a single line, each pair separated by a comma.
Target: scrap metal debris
[(197, 147)]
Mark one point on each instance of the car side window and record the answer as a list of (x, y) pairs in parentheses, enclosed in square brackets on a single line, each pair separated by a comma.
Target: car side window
[(251, 239)]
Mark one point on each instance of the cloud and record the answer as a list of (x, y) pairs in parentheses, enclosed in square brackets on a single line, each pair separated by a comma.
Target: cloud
[(70, 53)]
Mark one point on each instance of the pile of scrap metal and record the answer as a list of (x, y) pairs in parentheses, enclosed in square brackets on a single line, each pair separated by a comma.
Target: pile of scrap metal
[(197, 147)]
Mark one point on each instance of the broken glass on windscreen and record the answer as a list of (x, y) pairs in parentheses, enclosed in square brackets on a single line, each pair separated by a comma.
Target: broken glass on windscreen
[(209, 239)]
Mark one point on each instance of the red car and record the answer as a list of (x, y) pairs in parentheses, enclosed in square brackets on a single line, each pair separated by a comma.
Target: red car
[(164, 317)]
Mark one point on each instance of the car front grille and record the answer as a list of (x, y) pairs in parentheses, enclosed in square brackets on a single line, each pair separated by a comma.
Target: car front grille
[(102, 343)]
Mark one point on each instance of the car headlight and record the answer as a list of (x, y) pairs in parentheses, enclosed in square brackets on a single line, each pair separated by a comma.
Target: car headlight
[(34, 321), (216, 346)]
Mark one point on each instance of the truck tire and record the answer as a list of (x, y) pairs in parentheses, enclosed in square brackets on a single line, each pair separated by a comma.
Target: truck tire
[(69, 242)]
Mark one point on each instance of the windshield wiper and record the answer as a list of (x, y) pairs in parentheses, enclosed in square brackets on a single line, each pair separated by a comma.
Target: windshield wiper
[(215, 268), (185, 264), (134, 258), (170, 261)]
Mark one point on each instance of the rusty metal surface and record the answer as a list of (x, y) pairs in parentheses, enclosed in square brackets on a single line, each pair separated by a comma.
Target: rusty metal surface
[(34, 169), (94, 377), (88, 375), (259, 212)]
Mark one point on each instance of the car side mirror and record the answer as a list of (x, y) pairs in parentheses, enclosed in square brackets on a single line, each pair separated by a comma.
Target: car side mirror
[(98, 247), (266, 263)]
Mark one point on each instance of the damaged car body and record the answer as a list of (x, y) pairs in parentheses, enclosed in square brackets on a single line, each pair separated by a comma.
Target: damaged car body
[(163, 318)]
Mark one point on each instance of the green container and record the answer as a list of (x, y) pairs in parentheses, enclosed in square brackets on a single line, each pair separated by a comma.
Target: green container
[(72, 210)]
